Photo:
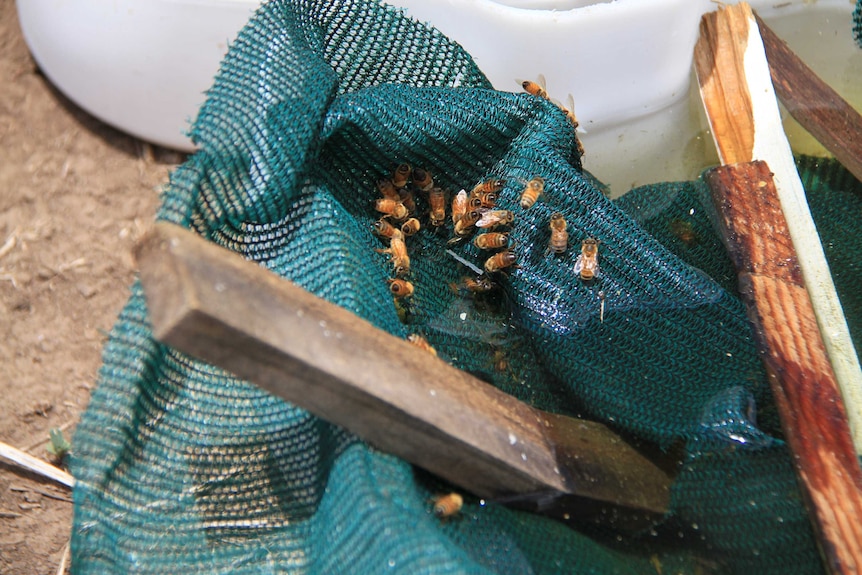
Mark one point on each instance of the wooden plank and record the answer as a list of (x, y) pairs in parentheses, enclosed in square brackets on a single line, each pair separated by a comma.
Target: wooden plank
[(784, 280), (742, 108), (813, 103), (803, 382), (213, 304)]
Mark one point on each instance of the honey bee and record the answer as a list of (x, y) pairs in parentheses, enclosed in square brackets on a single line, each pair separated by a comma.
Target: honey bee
[(479, 284), (536, 88), (492, 185), (384, 229), (397, 251), (401, 176), (392, 208), (406, 197), (484, 200), (400, 288), (459, 206), (422, 179), (410, 227), (437, 200), (421, 343), (570, 112), (466, 224), (587, 264), (448, 505), (491, 240), (559, 236), (387, 190), (501, 362), (494, 218), (532, 191), (684, 230), (500, 261)]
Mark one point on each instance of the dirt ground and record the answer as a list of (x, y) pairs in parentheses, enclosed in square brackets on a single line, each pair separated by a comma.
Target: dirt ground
[(75, 194)]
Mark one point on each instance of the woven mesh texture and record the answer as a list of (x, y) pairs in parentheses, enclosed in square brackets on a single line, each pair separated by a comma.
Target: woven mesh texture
[(182, 467)]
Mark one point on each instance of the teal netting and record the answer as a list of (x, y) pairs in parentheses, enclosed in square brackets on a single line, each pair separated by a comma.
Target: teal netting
[(183, 468)]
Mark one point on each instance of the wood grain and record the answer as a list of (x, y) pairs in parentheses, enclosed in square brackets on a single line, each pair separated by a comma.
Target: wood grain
[(214, 305), (718, 62), (813, 103), (803, 382)]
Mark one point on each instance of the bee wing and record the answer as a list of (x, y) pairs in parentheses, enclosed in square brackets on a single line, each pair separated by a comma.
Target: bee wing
[(579, 264), (488, 219), (540, 80), (570, 102)]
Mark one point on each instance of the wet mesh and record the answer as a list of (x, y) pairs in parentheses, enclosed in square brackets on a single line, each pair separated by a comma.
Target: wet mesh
[(183, 468)]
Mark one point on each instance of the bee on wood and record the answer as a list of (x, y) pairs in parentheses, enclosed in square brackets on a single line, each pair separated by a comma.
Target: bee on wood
[(559, 236), (532, 191), (587, 264), (466, 224), (421, 343), (387, 190), (410, 227), (384, 229), (401, 176), (422, 179), (394, 209), (500, 261), (491, 240), (448, 505), (459, 206), (437, 200), (494, 218), (400, 288), (397, 251), (492, 185)]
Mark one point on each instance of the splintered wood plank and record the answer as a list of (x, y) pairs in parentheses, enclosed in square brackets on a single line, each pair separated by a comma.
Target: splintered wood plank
[(813, 103), (802, 380), (742, 109), (784, 280), (214, 305)]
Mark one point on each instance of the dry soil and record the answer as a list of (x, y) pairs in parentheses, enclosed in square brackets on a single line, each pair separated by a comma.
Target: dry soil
[(75, 194)]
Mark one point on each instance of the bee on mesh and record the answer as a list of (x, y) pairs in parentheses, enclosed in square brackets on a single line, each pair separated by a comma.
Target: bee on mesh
[(534, 188), (448, 505), (559, 241), (400, 288), (397, 251), (587, 264), (394, 209), (495, 218), (539, 90), (501, 261), (491, 240)]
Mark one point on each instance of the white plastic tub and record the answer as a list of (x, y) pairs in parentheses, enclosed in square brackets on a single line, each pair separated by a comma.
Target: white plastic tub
[(143, 65)]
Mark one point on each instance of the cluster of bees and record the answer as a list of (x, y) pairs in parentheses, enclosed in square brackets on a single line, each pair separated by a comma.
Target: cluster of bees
[(474, 214)]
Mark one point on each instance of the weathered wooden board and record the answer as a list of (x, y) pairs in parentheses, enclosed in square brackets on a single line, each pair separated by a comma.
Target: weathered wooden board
[(214, 305)]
